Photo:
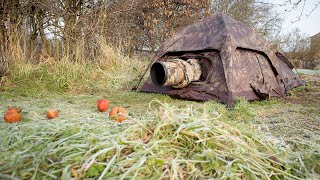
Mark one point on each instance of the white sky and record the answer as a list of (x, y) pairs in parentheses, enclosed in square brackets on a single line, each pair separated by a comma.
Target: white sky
[(309, 25)]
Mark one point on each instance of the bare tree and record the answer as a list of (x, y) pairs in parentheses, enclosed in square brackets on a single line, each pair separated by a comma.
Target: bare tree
[(300, 5), (161, 19), (296, 45), (72, 28)]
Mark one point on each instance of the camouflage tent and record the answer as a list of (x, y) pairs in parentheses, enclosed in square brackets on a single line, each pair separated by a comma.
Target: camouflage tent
[(235, 62)]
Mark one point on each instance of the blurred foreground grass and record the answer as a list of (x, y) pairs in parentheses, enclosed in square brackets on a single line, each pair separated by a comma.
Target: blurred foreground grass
[(162, 138)]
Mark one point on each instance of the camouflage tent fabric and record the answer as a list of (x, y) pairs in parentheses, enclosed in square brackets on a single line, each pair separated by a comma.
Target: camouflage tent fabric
[(235, 63)]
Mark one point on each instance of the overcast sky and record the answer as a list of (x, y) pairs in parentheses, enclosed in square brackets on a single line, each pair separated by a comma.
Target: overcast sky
[(309, 25)]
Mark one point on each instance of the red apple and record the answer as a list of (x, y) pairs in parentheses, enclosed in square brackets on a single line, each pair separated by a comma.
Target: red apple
[(14, 109), (103, 105), (12, 115), (117, 113), (52, 113)]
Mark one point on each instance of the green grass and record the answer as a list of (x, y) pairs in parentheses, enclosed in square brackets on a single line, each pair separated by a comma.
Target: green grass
[(111, 71), (66, 77)]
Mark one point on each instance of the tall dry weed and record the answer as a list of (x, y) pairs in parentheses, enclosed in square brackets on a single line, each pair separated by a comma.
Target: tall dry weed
[(110, 69)]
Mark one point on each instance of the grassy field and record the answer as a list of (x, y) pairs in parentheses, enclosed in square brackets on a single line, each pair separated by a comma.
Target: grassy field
[(162, 137)]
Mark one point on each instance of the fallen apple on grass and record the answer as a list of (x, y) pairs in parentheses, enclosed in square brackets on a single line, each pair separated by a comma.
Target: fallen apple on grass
[(103, 105), (52, 113), (117, 113), (12, 115)]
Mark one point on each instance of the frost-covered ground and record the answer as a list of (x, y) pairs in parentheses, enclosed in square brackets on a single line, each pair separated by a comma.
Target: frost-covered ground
[(307, 71), (162, 137)]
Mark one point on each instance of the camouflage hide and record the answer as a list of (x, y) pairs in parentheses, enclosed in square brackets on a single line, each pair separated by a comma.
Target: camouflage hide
[(235, 62)]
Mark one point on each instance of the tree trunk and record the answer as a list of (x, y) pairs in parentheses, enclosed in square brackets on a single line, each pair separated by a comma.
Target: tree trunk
[(40, 17), (69, 35)]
